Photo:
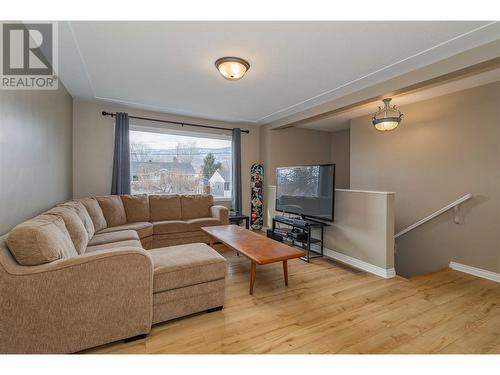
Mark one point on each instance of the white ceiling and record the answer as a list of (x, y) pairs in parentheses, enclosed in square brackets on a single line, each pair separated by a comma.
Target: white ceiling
[(169, 66)]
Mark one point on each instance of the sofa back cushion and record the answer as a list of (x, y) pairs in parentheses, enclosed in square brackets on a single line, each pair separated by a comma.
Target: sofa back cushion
[(40, 240), (165, 207), (196, 206), (136, 207), (83, 214), (95, 213), (113, 210), (74, 226)]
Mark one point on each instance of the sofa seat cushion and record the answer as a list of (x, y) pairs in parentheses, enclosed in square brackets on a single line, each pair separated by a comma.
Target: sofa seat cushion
[(184, 265), (113, 210), (183, 235), (165, 207), (169, 226), (115, 245), (143, 229), (173, 239), (40, 240), (195, 206), (196, 224), (109, 237)]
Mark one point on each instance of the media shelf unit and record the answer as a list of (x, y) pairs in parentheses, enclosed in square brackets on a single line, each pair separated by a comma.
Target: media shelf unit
[(305, 226)]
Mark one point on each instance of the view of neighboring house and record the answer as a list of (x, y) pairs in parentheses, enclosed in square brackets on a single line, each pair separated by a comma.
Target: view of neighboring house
[(154, 177), (173, 163), (164, 177), (220, 185)]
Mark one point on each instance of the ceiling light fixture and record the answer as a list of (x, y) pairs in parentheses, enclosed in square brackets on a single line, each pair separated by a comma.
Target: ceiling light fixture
[(387, 118), (232, 68)]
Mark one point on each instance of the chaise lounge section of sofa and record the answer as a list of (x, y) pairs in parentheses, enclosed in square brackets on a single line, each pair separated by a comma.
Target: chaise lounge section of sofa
[(79, 275)]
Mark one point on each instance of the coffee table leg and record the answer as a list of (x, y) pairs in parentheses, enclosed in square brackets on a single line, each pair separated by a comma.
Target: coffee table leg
[(211, 241), (252, 276), (285, 271)]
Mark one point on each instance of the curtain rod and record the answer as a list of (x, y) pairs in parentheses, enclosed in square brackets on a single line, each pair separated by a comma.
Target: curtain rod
[(104, 113)]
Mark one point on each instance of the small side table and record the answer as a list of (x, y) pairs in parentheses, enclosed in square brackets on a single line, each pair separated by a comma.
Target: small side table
[(237, 219)]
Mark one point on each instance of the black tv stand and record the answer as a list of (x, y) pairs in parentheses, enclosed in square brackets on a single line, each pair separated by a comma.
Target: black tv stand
[(292, 220), (301, 227)]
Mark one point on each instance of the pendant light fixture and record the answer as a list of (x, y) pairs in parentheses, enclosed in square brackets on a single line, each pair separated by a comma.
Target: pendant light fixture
[(387, 117), (232, 68)]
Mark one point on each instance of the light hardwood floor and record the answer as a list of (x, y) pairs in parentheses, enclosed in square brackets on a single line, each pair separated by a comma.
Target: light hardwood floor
[(329, 308)]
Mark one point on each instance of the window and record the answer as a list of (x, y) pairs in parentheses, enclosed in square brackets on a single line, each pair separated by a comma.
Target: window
[(168, 162)]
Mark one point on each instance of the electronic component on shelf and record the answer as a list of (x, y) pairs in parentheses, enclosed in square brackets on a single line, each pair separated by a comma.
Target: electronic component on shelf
[(298, 235), (274, 235)]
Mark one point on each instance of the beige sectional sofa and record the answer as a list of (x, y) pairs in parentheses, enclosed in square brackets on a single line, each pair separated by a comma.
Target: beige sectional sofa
[(79, 275)]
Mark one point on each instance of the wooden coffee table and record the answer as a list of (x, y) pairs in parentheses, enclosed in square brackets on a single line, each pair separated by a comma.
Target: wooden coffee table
[(258, 248)]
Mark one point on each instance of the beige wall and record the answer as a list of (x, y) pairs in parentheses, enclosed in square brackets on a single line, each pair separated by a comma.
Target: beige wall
[(292, 146), (341, 156), (363, 228), (445, 147), (35, 153), (93, 146)]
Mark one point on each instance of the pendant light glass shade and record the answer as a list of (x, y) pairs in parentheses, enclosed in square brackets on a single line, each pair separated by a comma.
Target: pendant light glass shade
[(387, 118)]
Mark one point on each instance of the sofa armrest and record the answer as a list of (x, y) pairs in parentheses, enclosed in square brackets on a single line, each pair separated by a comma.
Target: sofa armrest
[(76, 303), (220, 213)]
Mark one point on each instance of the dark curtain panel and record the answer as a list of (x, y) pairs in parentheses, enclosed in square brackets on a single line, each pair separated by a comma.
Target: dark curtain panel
[(121, 157), (236, 148)]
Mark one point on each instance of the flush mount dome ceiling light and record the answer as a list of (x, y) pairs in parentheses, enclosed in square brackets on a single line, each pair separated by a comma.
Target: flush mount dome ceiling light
[(387, 118), (232, 68)]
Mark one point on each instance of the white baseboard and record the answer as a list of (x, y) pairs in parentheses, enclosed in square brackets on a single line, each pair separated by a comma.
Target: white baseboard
[(493, 276), (356, 263), (359, 264)]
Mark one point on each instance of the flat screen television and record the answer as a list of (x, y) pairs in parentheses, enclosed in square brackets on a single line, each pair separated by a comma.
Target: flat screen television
[(308, 191)]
